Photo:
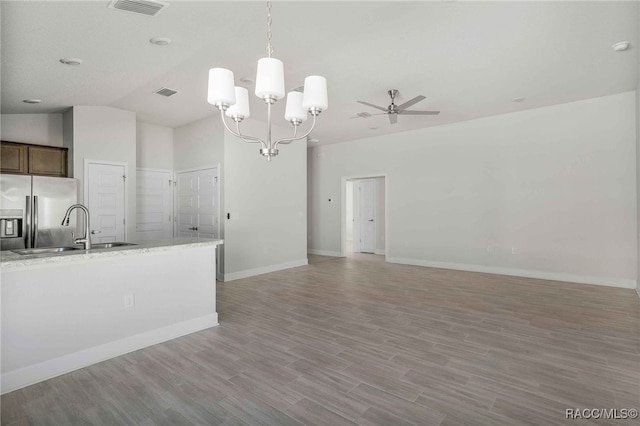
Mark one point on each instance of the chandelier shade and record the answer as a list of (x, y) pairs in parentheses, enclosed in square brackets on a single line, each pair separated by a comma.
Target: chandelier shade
[(294, 110), (315, 93), (239, 110), (221, 91), (270, 79)]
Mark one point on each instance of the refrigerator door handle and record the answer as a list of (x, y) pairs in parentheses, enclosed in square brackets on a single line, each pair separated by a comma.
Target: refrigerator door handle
[(27, 237), (35, 220)]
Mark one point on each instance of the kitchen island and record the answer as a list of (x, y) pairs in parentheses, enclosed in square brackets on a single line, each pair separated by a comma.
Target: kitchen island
[(67, 310)]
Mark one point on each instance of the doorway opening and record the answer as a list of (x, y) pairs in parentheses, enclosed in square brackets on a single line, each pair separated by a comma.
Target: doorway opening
[(364, 215)]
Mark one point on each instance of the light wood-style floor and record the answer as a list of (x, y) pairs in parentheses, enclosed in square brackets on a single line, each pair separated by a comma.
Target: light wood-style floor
[(360, 341)]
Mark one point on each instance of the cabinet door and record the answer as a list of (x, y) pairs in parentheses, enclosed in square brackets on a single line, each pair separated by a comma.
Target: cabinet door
[(47, 161), (13, 158)]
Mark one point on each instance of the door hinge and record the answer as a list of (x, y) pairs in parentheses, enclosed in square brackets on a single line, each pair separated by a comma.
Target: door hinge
[(215, 179), (124, 178), (170, 182), (123, 221)]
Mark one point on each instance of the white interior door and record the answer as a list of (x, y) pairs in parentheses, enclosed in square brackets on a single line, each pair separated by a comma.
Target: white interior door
[(154, 204), (367, 215), (106, 201), (197, 198)]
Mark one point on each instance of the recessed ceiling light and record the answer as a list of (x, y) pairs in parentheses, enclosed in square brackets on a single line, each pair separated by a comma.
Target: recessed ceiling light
[(621, 46), (71, 61), (160, 41), (246, 80), (31, 101), (520, 99)]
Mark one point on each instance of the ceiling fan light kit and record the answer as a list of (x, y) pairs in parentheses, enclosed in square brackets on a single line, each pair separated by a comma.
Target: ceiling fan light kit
[(233, 101), (394, 110)]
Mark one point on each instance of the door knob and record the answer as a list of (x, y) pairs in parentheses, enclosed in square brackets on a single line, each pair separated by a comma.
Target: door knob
[(370, 220), (195, 228), (96, 232)]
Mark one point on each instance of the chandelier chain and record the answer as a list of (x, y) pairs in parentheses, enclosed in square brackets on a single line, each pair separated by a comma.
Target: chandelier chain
[(269, 46)]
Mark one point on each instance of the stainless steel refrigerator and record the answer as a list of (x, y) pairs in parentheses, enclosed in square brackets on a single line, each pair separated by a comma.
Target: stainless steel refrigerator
[(32, 209)]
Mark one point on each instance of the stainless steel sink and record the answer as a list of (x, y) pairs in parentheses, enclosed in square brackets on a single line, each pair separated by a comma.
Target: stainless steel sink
[(44, 250), (110, 245)]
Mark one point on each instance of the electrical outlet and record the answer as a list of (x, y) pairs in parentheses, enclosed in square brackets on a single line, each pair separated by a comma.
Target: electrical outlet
[(514, 250), (129, 300)]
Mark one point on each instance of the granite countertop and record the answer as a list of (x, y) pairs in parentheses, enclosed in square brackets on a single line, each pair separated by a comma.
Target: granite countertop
[(9, 259)]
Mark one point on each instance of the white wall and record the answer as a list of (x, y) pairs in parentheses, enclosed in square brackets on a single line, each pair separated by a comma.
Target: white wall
[(267, 202), (41, 129), (198, 144), (154, 146), (106, 134), (555, 185)]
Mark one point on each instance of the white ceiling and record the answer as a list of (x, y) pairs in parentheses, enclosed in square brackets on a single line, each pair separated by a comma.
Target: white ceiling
[(470, 59)]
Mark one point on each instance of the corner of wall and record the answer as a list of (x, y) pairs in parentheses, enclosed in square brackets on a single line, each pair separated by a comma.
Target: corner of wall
[(638, 166), (67, 138)]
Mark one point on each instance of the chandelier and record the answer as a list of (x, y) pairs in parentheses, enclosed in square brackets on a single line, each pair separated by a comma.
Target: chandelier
[(233, 101)]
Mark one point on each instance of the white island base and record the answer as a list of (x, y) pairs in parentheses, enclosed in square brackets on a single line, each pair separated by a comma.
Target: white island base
[(64, 313)]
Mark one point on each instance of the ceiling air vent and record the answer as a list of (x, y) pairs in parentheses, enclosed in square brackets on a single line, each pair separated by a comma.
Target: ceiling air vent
[(145, 7), (165, 91)]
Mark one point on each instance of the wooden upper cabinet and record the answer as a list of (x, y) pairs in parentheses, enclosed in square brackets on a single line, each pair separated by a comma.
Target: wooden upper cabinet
[(47, 161), (33, 159), (13, 158)]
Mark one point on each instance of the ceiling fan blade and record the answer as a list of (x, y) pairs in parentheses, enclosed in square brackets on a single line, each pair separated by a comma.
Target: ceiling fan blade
[(410, 103), (372, 105), (393, 118), (419, 112), (369, 115)]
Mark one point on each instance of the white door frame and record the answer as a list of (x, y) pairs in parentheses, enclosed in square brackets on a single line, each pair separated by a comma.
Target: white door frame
[(343, 209), (198, 169), (85, 186)]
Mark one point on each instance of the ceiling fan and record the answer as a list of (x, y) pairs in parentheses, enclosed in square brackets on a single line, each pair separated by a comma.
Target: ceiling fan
[(393, 110)]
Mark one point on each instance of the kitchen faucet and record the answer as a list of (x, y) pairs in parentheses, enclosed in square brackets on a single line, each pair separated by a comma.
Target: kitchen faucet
[(86, 240)]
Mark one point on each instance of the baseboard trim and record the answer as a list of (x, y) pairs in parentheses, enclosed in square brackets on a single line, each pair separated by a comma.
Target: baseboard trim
[(527, 273), (379, 252), (324, 252), (264, 270), (16, 379), (638, 290)]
